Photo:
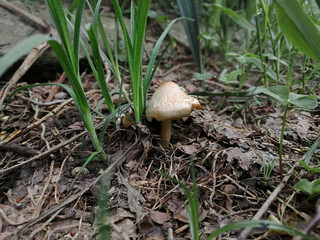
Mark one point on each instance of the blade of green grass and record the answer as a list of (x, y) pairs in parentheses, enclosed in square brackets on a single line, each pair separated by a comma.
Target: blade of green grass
[(134, 50), (260, 224), (298, 27), (189, 9), (310, 153), (58, 15), (76, 34), (99, 67), (151, 69), (136, 75), (238, 19), (193, 198), (83, 166)]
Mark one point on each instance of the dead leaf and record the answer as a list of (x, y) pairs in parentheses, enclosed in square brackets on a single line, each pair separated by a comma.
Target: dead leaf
[(189, 149), (159, 217), (236, 154), (146, 225), (134, 199)]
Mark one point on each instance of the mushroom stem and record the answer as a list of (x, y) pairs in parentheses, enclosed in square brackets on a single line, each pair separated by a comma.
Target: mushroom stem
[(165, 133)]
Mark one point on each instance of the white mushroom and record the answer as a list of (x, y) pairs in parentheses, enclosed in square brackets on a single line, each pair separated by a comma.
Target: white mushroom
[(169, 103)]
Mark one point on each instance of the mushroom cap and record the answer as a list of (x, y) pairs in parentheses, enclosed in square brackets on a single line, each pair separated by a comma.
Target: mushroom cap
[(169, 102)]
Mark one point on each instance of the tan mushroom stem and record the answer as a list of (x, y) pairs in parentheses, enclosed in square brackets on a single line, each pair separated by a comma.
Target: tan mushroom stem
[(165, 133)]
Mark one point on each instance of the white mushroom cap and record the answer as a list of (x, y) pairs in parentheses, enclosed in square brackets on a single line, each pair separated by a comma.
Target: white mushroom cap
[(169, 102)]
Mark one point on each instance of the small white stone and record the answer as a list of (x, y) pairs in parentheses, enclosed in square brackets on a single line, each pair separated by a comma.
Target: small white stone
[(85, 172)]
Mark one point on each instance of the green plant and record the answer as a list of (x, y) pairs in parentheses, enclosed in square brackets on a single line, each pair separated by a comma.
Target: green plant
[(268, 166), (309, 187), (193, 209), (260, 224), (134, 47), (68, 55), (298, 27), (282, 95), (189, 9), (110, 57)]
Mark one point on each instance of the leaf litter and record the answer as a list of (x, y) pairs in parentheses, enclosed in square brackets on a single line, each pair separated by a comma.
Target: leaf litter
[(228, 150)]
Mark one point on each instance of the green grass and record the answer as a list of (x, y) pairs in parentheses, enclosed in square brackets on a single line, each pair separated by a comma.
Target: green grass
[(134, 49)]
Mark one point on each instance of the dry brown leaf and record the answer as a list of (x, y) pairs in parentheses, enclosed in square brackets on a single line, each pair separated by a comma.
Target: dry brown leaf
[(237, 154), (160, 217)]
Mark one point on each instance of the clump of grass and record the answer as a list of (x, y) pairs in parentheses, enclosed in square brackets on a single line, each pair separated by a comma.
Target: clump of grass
[(134, 47), (68, 56)]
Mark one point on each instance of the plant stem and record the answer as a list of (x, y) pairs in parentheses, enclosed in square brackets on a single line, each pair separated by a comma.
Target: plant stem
[(304, 73), (260, 47), (281, 139)]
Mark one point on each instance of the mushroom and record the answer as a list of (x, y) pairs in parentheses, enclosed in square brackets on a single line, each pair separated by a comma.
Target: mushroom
[(169, 103)]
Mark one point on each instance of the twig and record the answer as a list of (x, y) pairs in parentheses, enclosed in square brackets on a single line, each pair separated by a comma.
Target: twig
[(42, 198), (5, 217), (13, 147), (42, 104), (34, 232), (60, 172), (245, 232)]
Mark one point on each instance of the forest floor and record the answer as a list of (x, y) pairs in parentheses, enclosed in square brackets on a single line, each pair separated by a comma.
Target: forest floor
[(229, 140)]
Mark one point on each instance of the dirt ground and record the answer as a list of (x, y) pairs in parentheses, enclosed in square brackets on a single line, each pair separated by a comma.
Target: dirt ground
[(228, 140)]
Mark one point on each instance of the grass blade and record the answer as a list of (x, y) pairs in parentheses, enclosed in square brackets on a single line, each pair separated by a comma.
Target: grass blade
[(136, 74), (260, 224), (148, 75), (298, 27), (193, 210), (76, 34), (134, 50), (241, 21), (189, 9), (99, 67), (58, 15)]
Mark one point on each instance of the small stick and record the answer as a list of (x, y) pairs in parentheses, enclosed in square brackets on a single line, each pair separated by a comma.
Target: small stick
[(13, 147)]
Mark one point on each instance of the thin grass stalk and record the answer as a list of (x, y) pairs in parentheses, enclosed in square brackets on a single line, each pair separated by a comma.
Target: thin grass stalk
[(303, 78), (291, 60), (134, 50), (281, 140), (76, 34), (151, 67), (58, 15), (99, 67), (110, 57), (189, 9), (195, 201), (136, 77), (266, 83), (276, 52)]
